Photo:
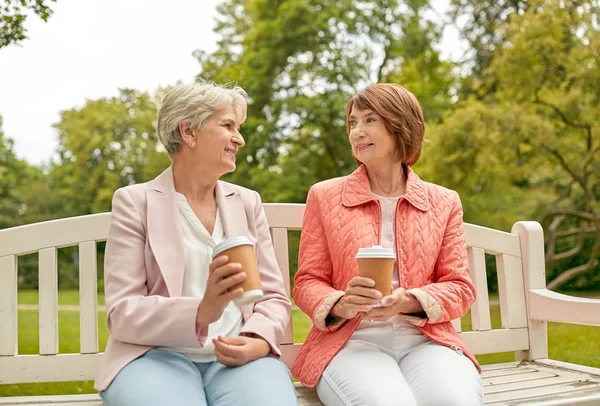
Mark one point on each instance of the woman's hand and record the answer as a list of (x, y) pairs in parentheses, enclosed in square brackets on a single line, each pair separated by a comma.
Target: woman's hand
[(358, 298), (238, 351), (222, 277), (399, 301)]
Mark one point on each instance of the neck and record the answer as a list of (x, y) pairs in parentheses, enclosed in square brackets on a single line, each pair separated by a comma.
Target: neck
[(196, 182), (388, 181)]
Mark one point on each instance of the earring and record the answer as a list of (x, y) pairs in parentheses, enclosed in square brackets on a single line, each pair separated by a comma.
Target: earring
[(193, 144)]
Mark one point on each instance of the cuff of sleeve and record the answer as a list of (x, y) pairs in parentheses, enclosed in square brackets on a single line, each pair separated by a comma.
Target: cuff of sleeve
[(415, 320), (258, 326), (202, 335), (320, 315), (431, 307), (274, 352)]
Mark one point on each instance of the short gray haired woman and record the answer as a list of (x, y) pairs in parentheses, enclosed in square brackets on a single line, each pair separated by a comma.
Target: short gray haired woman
[(176, 335)]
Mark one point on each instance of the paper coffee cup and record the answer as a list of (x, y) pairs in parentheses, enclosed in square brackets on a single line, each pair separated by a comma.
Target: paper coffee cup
[(377, 263), (241, 250)]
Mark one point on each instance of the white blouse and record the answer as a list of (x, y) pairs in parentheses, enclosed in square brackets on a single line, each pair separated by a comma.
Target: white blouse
[(388, 240), (198, 246)]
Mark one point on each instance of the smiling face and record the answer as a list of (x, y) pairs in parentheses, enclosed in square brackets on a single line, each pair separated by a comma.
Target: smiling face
[(372, 143), (218, 141)]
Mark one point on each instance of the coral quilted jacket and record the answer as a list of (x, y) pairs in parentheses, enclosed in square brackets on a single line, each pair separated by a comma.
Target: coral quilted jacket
[(341, 217)]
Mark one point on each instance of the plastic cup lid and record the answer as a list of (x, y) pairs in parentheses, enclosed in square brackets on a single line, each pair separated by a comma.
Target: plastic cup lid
[(231, 243), (376, 251)]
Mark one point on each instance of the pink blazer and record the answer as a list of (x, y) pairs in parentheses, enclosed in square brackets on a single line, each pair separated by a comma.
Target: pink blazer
[(144, 269), (341, 217)]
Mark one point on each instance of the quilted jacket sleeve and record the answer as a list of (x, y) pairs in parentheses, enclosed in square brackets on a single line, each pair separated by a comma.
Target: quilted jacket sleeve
[(313, 290), (452, 293)]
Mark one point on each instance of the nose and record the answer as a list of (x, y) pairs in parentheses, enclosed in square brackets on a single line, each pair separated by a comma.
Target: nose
[(357, 131), (238, 139)]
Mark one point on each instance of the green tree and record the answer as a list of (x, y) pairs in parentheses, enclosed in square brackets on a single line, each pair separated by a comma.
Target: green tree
[(13, 15), (106, 144), (300, 62), (16, 176), (531, 145)]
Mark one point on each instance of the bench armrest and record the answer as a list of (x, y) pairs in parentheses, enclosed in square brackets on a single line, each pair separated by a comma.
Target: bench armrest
[(546, 305)]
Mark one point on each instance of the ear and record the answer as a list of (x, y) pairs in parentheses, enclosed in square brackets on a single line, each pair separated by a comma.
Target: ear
[(187, 134)]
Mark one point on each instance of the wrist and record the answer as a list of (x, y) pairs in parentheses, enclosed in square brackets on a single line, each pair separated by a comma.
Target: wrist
[(338, 309), (201, 322)]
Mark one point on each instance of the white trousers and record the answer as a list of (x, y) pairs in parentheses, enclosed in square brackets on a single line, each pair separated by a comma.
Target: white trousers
[(393, 364)]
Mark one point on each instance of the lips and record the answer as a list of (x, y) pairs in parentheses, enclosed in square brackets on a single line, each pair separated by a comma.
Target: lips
[(231, 152), (361, 147)]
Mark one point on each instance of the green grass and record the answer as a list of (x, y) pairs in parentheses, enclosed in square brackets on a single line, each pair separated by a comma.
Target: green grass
[(576, 344), (65, 297)]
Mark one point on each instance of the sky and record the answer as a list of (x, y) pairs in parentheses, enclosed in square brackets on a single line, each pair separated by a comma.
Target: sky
[(89, 49)]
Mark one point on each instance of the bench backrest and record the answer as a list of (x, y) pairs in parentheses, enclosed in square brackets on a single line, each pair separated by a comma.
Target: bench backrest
[(86, 231)]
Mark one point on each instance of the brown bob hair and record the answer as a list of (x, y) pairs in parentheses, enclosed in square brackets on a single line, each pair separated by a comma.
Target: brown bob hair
[(401, 114)]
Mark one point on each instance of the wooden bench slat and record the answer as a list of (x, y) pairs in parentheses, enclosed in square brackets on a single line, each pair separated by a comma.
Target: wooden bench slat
[(518, 370), (456, 323), (488, 342), (533, 393), (527, 376), (511, 291), (480, 310), (9, 344), (492, 241), (280, 245), (59, 233), (48, 301), (88, 298), (529, 384), (284, 215), (49, 368), (60, 400)]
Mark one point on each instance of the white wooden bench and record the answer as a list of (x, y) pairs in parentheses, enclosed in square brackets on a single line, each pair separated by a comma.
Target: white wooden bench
[(525, 306)]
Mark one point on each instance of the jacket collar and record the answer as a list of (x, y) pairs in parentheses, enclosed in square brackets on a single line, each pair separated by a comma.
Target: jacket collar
[(164, 228), (357, 191)]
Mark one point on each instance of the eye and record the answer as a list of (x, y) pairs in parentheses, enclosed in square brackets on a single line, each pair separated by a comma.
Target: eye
[(227, 125), (352, 123), (371, 120)]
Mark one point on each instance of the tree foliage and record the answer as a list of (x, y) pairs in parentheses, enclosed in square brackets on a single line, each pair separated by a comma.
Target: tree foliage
[(13, 15)]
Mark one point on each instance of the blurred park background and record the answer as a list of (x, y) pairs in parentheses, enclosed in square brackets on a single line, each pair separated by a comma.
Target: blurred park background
[(513, 123)]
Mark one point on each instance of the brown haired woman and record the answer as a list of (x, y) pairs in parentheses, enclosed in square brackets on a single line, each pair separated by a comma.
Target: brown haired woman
[(398, 349)]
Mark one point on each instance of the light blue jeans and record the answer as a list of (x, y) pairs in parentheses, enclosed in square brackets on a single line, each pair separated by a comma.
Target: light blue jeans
[(164, 378)]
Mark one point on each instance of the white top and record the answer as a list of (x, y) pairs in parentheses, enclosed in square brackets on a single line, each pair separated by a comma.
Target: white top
[(388, 240), (198, 246)]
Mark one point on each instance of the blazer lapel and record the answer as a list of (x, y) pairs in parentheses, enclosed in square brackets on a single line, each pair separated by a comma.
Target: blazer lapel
[(164, 231), (231, 209)]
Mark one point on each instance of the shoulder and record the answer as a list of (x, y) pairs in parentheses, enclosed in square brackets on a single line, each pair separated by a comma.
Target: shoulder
[(333, 185), (135, 193), (442, 198)]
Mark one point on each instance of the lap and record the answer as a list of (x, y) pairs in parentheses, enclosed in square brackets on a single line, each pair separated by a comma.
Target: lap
[(453, 375), (265, 381), (156, 379), (362, 374)]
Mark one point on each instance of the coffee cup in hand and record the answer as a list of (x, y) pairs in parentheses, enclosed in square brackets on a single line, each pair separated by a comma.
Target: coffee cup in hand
[(241, 250), (377, 263)]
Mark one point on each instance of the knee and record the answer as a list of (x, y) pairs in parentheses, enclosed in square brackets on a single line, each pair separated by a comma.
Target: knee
[(269, 384)]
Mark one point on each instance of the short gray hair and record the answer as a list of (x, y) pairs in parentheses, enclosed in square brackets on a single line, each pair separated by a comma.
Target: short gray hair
[(193, 103)]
